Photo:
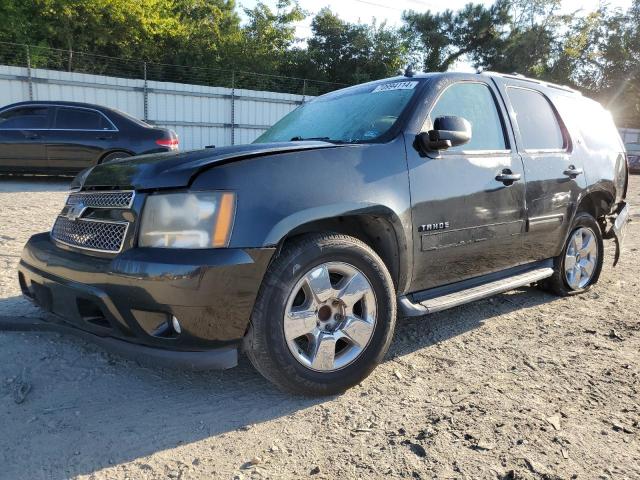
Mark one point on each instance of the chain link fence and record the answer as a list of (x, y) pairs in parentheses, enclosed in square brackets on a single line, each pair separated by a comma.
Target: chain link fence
[(20, 55)]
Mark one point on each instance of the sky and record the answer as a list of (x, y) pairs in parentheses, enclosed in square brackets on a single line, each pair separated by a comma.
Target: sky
[(364, 11)]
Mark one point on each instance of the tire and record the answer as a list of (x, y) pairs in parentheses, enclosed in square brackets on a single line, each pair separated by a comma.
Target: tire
[(109, 157), (281, 357), (559, 283)]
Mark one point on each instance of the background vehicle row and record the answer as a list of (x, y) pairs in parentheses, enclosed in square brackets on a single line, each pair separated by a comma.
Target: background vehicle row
[(66, 137)]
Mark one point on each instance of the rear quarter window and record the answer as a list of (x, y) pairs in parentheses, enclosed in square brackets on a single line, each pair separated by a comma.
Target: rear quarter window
[(591, 121)]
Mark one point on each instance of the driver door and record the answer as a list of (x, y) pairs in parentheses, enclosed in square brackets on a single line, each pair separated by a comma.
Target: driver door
[(466, 221)]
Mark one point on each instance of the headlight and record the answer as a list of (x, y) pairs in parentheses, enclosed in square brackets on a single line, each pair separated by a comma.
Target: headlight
[(187, 220)]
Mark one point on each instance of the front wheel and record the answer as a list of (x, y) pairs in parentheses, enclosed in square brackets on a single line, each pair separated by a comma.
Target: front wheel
[(324, 316), (578, 266)]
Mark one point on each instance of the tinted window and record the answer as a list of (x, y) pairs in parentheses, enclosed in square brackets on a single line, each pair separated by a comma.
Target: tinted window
[(475, 103), (24, 118), (594, 123), (80, 119), (538, 124)]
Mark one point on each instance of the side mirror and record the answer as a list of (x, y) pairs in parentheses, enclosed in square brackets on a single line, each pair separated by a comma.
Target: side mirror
[(448, 131)]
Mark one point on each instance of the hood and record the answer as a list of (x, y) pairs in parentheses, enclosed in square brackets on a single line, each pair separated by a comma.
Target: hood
[(178, 169)]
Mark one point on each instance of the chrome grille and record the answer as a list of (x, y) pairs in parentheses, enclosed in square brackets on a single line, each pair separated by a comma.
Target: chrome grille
[(94, 235), (119, 199), (86, 223)]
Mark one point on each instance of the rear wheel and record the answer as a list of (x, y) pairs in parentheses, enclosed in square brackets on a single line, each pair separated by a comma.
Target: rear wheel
[(324, 317), (578, 266)]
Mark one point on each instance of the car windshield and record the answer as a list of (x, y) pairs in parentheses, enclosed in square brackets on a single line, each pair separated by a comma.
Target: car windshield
[(358, 114)]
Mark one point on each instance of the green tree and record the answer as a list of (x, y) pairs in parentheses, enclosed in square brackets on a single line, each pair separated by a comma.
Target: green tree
[(268, 36), (166, 31), (598, 52), (601, 56), (438, 40), (531, 40), (345, 52)]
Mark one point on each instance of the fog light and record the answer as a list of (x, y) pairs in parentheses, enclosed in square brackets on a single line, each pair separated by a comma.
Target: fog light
[(176, 325)]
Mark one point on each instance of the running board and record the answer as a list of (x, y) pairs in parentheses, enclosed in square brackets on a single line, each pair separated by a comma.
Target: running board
[(443, 302)]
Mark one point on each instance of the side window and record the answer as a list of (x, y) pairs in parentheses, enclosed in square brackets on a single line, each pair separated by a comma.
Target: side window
[(475, 103), (594, 123), (538, 124), (80, 119), (24, 118)]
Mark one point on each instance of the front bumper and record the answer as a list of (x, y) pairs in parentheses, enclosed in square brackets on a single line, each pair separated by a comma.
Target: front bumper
[(132, 298)]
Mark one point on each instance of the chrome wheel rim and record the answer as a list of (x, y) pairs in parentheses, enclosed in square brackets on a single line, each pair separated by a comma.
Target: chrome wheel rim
[(580, 258), (330, 316)]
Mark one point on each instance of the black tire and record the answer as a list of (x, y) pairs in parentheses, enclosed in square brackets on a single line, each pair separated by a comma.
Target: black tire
[(557, 283), (265, 342), (109, 157)]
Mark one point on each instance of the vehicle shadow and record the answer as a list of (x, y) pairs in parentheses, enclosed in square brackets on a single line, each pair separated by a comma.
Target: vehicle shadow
[(111, 411), (33, 183), (418, 333)]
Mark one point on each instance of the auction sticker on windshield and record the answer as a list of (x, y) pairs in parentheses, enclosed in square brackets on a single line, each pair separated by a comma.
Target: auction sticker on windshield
[(395, 86)]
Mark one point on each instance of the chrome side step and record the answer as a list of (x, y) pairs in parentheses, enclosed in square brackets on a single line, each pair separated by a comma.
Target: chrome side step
[(443, 302)]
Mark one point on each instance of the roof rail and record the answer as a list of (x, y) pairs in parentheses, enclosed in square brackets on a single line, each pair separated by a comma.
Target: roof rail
[(519, 76)]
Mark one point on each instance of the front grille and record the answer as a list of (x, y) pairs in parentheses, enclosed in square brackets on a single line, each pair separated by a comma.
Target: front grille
[(87, 234), (119, 199), (86, 223)]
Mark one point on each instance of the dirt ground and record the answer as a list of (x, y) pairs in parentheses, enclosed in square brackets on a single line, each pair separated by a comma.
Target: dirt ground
[(523, 385)]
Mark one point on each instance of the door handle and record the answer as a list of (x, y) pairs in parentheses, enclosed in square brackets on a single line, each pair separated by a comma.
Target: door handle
[(105, 137), (573, 172), (32, 136), (508, 177)]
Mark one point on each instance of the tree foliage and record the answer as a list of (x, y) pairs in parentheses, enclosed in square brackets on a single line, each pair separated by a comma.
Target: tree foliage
[(349, 53), (164, 30), (597, 52), (438, 40), (601, 55)]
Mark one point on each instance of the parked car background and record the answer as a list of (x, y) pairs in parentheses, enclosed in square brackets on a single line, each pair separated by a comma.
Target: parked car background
[(67, 137), (633, 157)]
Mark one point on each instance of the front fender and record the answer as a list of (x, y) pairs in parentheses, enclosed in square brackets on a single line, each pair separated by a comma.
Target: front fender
[(327, 212), (377, 225)]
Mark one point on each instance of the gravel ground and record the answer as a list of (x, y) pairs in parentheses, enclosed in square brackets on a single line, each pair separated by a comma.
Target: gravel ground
[(523, 385)]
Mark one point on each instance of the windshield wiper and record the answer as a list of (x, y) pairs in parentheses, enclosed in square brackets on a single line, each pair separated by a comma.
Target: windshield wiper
[(323, 139), (301, 139)]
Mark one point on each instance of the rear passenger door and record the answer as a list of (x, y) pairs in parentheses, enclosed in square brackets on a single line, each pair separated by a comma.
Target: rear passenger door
[(78, 138), (554, 176)]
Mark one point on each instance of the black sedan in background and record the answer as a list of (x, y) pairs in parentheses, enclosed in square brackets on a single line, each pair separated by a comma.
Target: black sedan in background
[(66, 137)]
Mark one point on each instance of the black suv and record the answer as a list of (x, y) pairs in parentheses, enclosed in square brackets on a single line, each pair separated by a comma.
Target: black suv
[(67, 137), (408, 195)]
